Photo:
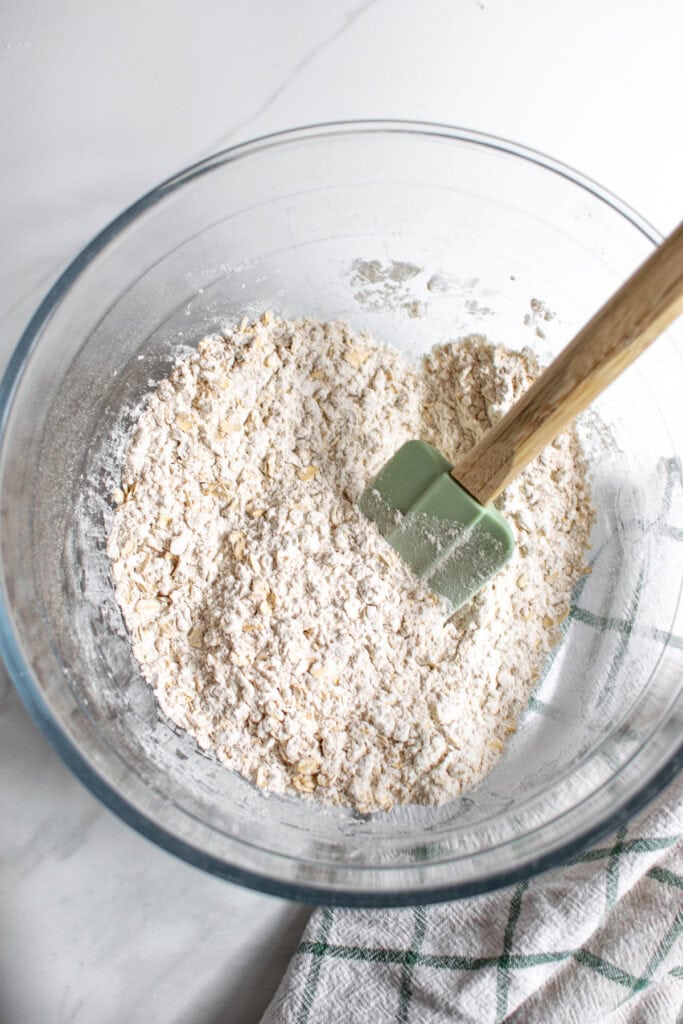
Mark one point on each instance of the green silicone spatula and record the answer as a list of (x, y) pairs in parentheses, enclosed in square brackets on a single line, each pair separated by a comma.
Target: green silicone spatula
[(438, 517)]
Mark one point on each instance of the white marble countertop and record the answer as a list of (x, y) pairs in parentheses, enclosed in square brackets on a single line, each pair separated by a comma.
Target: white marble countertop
[(98, 102)]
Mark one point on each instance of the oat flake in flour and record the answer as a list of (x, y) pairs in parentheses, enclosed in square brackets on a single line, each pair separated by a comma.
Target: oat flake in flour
[(272, 621)]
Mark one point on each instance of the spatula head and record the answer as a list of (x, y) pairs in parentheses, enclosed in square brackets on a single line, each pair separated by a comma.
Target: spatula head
[(446, 537)]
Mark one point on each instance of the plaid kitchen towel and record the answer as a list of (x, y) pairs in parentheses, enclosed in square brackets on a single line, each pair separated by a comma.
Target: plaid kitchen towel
[(597, 940)]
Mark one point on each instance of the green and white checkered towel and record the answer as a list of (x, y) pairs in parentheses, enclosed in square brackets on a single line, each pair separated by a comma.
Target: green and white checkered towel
[(598, 940)]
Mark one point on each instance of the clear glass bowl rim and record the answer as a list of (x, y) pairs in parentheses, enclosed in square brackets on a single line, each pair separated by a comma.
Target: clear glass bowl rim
[(20, 672)]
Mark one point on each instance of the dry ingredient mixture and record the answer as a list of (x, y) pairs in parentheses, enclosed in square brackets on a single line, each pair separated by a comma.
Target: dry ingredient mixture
[(273, 622)]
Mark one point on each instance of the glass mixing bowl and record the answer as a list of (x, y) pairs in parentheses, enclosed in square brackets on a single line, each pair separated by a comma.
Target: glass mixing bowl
[(418, 233)]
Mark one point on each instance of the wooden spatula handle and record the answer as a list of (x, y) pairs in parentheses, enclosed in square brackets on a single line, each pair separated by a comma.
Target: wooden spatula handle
[(642, 308)]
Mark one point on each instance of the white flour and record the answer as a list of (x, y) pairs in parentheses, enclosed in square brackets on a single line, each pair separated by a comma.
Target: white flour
[(273, 622)]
